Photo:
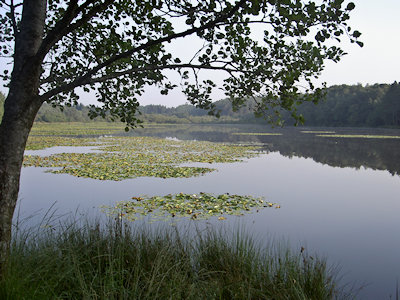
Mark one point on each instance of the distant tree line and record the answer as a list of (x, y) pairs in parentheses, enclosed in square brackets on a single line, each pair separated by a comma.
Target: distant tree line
[(76, 113), (375, 105)]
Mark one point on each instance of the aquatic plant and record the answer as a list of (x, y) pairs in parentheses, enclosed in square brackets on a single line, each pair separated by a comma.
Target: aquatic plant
[(194, 206), (43, 142), (130, 157), (76, 128)]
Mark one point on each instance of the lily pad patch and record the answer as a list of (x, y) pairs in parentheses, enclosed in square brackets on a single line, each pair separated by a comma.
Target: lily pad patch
[(129, 157), (193, 206)]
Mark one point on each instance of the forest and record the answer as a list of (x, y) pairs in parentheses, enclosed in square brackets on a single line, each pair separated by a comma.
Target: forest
[(375, 105)]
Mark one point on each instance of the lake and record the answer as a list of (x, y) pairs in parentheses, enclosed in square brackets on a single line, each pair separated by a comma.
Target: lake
[(339, 193)]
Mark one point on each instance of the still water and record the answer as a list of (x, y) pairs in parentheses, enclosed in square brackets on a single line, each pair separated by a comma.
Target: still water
[(339, 197)]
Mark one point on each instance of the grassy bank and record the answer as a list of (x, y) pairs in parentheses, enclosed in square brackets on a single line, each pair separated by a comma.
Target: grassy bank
[(115, 261)]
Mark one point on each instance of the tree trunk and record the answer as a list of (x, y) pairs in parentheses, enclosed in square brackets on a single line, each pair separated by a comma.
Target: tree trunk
[(20, 109), (14, 131)]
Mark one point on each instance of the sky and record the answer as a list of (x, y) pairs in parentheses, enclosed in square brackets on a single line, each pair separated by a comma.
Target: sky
[(377, 62)]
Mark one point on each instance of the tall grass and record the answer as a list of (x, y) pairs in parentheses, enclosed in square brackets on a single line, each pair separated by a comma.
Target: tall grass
[(92, 260)]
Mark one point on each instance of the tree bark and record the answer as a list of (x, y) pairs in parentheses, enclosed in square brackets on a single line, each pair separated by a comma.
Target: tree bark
[(14, 131), (20, 109)]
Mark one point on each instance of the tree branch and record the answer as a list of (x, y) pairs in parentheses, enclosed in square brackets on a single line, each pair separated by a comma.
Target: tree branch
[(12, 17), (86, 78), (150, 43), (74, 84), (58, 30), (169, 67), (64, 26)]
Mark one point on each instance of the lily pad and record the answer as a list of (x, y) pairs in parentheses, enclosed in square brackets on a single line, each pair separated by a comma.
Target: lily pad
[(194, 206)]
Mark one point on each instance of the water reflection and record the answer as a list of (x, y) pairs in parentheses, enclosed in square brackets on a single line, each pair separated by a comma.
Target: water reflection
[(376, 154)]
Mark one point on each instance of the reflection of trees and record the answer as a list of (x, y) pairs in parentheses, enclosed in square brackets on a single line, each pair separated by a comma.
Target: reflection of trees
[(377, 154), (212, 133)]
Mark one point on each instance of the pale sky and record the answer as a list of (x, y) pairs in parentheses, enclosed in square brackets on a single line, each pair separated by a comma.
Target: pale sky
[(377, 62)]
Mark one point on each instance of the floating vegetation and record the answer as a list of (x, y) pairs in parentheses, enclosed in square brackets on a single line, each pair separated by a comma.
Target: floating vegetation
[(105, 166), (77, 128), (86, 129), (256, 133), (130, 157), (43, 142), (194, 206), (318, 131), (361, 136)]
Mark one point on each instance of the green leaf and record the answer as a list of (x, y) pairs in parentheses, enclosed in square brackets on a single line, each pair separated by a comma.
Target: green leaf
[(350, 6)]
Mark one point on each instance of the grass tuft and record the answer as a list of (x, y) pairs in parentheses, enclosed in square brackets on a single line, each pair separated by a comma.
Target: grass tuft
[(91, 260)]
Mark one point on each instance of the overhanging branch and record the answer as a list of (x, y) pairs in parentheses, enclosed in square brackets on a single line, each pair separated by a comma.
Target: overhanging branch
[(74, 84), (86, 78)]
